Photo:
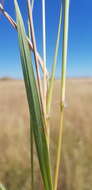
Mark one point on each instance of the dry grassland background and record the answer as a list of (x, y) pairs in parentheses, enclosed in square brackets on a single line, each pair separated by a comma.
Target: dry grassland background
[(76, 169)]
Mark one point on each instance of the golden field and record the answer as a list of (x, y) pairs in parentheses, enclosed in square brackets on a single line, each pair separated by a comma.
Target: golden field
[(76, 165)]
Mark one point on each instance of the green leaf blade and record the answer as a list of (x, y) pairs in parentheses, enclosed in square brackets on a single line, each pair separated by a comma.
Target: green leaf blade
[(36, 114)]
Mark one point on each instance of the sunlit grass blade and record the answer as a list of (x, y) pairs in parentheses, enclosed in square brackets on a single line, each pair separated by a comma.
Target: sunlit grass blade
[(51, 82), (36, 114), (63, 85)]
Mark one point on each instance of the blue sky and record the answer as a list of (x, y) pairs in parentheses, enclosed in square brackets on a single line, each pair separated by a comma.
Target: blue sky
[(80, 37)]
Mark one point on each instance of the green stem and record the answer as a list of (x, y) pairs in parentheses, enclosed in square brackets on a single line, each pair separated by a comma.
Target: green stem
[(51, 83), (63, 85)]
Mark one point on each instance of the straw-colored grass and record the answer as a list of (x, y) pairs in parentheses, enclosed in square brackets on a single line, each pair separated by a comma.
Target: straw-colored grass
[(76, 172)]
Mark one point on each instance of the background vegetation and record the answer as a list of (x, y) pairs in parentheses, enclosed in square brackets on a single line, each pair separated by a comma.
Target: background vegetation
[(76, 169)]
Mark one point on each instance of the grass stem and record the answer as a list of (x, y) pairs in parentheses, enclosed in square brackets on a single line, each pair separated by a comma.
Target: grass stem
[(51, 82), (35, 50), (44, 73), (44, 53), (63, 85)]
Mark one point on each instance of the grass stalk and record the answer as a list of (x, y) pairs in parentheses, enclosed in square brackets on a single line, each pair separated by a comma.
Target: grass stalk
[(44, 73), (35, 56), (63, 85), (51, 83), (13, 23), (44, 53)]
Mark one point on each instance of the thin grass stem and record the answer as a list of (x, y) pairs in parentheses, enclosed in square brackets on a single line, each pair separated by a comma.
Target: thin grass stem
[(35, 50), (63, 85), (44, 52), (51, 83), (44, 73)]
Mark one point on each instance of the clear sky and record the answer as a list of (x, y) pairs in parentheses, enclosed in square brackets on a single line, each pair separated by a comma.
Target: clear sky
[(80, 37)]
